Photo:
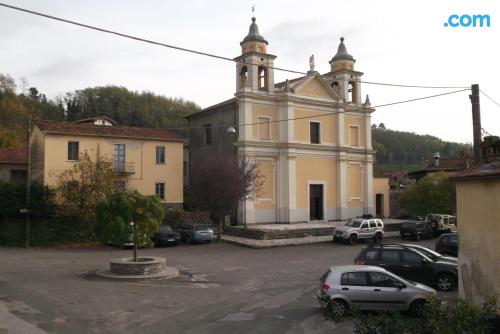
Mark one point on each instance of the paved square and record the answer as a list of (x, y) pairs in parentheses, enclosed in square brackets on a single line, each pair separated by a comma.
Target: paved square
[(223, 288)]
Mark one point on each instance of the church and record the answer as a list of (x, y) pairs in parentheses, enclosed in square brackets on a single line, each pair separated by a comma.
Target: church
[(310, 135)]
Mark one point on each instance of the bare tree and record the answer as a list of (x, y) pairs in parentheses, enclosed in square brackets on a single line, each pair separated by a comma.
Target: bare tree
[(84, 185), (218, 183)]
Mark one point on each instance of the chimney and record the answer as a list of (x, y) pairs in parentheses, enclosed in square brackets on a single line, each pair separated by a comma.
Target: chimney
[(491, 149), (436, 157)]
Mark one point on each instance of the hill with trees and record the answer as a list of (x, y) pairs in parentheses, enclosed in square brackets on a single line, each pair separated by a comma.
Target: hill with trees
[(398, 150), (141, 109)]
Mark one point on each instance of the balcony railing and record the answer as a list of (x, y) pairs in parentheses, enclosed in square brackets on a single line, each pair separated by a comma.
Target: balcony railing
[(121, 167)]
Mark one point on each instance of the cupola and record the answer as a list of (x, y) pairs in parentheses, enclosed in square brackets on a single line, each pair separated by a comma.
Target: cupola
[(254, 41), (342, 60)]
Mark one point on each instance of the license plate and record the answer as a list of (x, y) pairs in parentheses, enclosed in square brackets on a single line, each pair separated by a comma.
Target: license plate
[(171, 239), (407, 233)]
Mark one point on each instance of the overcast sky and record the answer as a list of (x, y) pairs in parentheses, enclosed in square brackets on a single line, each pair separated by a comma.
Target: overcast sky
[(398, 41)]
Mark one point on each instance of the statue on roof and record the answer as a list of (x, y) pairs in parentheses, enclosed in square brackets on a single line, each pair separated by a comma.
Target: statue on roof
[(311, 63)]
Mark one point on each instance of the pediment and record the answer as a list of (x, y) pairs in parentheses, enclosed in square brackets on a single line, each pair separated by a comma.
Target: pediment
[(315, 86)]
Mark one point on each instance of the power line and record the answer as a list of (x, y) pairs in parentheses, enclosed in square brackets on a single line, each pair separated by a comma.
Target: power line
[(409, 86), (140, 39), (336, 112), (495, 102), (136, 38)]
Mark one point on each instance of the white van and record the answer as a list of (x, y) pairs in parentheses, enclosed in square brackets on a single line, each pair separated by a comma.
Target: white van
[(442, 223)]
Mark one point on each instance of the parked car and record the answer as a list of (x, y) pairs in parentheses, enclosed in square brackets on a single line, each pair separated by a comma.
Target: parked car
[(411, 264), (196, 233), (432, 254), (370, 288), (416, 230), (359, 229), (165, 236), (447, 244), (442, 223)]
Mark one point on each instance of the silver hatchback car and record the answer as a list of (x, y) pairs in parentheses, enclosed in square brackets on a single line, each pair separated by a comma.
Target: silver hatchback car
[(370, 288)]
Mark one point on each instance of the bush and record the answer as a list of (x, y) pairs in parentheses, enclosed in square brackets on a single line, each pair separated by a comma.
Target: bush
[(13, 198), (458, 316), (48, 232)]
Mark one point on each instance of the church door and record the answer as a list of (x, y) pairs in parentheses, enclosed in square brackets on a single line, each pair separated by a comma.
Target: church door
[(316, 202)]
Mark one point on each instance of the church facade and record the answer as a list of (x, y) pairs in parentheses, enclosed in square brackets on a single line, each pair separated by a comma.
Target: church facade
[(311, 137)]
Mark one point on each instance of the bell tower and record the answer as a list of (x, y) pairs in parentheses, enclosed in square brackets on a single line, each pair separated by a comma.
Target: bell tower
[(344, 79), (254, 68)]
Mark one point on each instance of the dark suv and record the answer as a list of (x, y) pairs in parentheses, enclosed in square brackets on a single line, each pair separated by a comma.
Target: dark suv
[(411, 264), (447, 244), (416, 230)]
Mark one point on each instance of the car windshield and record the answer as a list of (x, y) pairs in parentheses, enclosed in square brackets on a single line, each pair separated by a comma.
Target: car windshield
[(353, 223), (202, 227), (165, 229)]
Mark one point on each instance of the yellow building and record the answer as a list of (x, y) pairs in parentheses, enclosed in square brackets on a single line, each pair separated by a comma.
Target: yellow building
[(151, 159), (310, 135), (478, 214)]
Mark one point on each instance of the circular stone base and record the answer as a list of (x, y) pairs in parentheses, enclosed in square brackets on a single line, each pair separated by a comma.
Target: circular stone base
[(170, 272), (143, 266)]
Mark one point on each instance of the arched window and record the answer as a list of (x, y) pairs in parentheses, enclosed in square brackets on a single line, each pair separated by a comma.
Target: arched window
[(262, 77), (352, 94), (243, 76)]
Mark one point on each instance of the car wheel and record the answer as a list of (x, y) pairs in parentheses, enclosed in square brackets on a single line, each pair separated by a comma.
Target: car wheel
[(417, 307), (188, 240), (378, 238), (338, 307), (444, 282), (353, 239)]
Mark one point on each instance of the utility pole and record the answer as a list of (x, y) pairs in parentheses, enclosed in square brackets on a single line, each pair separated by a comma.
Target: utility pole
[(28, 191), (476, 123)]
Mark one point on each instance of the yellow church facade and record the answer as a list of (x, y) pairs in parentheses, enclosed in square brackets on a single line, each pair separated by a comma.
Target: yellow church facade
[(311, 137)]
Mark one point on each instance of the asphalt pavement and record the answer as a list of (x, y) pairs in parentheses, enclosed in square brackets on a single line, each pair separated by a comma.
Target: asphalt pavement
[(222, 288)]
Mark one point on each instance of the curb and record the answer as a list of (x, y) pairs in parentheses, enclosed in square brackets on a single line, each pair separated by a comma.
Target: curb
[(274, 243), (170, 272)]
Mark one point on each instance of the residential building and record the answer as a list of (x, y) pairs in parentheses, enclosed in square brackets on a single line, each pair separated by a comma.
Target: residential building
[(13, 165), (449, 166), (311, 137), (150, 159), (478, 214)]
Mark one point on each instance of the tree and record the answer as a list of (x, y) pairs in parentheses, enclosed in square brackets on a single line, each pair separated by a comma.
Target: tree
[(84, 185), (126, 214), (218, 183), (433, 193), (141, 109)]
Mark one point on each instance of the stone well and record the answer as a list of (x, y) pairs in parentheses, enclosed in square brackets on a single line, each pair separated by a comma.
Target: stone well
[(144, 266)]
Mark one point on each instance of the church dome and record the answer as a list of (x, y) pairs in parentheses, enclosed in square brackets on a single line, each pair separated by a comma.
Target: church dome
[(342, 53), (253, 34)]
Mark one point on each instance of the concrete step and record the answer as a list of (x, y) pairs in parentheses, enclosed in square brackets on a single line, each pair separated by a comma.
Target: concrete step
[(270, 243)]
